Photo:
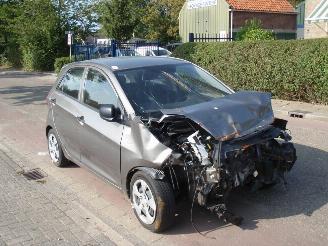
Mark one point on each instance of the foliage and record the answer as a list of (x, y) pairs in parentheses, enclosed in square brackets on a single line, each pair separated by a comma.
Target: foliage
[(161, 19), (150, 19), (79, 16), (33, 32), (9, 49), (295, 2), (40, 35), (118, 18), (253, 31), (60, 62), (291, 70)]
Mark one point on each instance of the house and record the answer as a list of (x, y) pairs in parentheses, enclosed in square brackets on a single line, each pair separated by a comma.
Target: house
[(316, 19), (225, 17)]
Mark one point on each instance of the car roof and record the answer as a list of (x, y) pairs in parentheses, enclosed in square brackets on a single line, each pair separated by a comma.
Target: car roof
[(123, 63)]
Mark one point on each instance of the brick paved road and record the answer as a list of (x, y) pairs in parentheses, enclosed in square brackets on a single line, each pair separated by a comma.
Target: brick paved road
[(49, 212), (30, 214)]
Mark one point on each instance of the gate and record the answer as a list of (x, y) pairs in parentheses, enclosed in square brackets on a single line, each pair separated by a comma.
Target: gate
[(115, 49)]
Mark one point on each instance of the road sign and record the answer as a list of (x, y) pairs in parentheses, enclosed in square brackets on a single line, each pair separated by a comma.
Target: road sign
[(70, 42), (69, 39)]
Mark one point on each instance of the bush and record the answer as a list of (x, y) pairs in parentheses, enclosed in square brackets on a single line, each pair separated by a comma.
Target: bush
[(290, 70), (253, 31), (60, 62), (11, 55)]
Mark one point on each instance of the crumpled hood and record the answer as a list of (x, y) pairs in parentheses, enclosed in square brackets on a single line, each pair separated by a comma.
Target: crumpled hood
[(235, 115)]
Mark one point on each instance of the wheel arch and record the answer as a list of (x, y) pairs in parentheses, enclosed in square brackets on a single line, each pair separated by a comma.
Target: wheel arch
[(155, 174), (48, 129)]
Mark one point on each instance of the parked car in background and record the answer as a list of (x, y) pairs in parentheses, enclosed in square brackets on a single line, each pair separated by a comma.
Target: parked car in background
[(171, 47), (162, 129), (152, 51)]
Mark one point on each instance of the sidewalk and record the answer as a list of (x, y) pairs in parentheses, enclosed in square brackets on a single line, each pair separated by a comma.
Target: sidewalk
[(304, 110), (45, 213)]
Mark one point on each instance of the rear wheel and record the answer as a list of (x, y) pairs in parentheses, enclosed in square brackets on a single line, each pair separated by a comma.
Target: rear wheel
[(153, 201), (55, 150)]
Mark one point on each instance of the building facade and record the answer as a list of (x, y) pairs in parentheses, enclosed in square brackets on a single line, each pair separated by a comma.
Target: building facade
[(224, 18), (316, 19)]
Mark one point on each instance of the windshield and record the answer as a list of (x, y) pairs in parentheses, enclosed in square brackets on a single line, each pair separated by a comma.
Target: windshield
[(161, 52), (151, 89)]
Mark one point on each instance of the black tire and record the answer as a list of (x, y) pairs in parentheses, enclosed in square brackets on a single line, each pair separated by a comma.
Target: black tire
[(62, 160), (164, 199)]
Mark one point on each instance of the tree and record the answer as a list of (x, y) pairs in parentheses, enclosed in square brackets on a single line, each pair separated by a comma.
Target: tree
[(39, 33), (161, 18), (9, 52), (253, 31), (79, 16), (119, 18), (295, 2)]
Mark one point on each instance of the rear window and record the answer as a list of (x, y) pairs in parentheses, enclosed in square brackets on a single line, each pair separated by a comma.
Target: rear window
[(70, 83)]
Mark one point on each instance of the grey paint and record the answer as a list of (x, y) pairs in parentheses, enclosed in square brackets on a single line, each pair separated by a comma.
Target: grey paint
[(113, 149), (236, 114), (110, 149), (65, 113)]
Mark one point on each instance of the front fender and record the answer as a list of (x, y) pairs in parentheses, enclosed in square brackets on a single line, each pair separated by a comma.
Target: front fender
[(152, 172)]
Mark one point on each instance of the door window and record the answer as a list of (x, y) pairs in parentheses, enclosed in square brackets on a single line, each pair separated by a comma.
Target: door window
[(98, 90), (70, 83)]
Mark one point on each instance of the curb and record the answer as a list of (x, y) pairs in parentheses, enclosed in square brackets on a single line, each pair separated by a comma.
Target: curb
[(18, 72)]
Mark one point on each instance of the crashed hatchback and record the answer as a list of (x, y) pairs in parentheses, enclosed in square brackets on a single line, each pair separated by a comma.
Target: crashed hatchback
[(163, 129)]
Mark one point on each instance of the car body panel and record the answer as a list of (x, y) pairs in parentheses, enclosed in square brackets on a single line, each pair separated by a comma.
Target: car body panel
[(236, 114), (114, 149), (139, 147), (65, 112), (100, 145)]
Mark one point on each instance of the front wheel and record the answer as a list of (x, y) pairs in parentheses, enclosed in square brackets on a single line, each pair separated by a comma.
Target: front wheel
[(153, 201), (55, 150)]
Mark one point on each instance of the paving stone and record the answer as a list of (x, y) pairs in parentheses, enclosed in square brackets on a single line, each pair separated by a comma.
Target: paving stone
[(51, 213)]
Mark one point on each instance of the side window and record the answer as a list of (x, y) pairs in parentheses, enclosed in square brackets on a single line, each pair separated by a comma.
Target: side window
[(98, 91), (70, 83)]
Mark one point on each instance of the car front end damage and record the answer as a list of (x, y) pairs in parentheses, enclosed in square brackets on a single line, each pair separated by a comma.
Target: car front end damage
[(223, 144)]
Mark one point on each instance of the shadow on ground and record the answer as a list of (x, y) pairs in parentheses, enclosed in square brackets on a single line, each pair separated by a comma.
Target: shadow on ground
[(305, 192), (22, 95), (7, 73)]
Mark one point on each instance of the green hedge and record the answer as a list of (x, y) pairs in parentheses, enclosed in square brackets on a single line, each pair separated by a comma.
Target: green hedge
[(60, 62), (290, 70)]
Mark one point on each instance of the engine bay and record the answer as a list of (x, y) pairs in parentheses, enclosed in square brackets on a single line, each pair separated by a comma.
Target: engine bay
[(206, 168)]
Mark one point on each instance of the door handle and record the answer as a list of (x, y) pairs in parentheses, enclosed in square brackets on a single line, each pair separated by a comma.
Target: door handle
[(52, 100), (80, 119)]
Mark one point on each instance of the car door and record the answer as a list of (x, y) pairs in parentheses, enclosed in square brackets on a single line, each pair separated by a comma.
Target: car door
[(66, 113), (100, 139)]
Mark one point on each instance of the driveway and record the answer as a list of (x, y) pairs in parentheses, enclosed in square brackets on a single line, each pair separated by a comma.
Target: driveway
[(296, 214)]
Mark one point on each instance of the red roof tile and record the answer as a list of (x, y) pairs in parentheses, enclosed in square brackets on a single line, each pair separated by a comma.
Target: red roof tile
[(282, 6)]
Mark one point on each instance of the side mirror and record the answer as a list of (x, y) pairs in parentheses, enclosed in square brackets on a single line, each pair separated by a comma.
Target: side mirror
[(108, 112)]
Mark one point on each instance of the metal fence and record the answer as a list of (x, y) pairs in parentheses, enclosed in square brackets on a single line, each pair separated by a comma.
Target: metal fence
[(115, 49), (206, 37)]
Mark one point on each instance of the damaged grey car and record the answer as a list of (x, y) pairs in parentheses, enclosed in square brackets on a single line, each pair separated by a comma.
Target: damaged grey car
[(164, 129)]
